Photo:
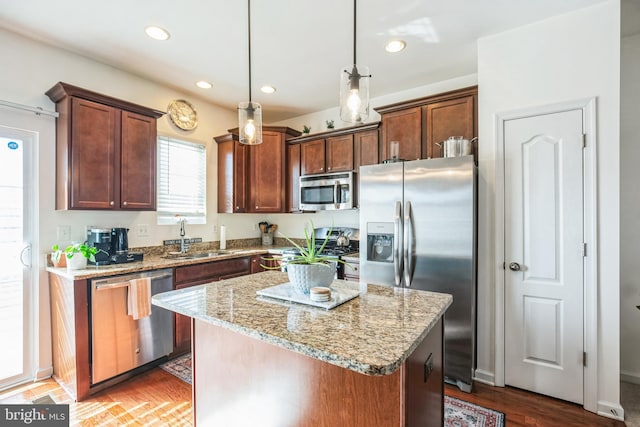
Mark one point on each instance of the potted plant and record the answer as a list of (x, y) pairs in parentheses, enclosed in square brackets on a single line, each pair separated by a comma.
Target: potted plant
[(306, 129), (330, 124), (77, 255), (309, 268), (58, 259)]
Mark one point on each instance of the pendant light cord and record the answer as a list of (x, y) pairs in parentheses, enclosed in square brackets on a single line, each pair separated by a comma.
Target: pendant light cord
[(354, 32), (249, 35)]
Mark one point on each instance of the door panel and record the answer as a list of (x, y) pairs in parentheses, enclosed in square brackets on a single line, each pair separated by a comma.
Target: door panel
[(543, 254), (18, 176)]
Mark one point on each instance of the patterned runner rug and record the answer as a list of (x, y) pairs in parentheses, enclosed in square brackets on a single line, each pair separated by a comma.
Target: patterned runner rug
[(457, 413)]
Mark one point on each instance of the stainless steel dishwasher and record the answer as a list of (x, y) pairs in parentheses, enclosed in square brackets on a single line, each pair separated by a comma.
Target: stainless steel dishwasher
[(119, 343)]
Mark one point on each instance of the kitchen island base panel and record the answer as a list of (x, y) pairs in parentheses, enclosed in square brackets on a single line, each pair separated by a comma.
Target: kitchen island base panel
[(239, 380)]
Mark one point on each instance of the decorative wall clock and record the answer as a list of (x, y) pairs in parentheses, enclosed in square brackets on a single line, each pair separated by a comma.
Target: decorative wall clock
[(182, 114)]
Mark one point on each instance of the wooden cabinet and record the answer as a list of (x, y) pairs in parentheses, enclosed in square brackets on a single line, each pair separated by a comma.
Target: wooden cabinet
[(232, 175), (418, 125), (262, 186), (365, 148), (105, 151), (197, 274), (327, 155), (454, 117), (404, 126), (293, 178)]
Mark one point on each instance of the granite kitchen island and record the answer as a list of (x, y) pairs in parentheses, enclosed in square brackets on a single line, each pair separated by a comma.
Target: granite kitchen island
[(375, 360)]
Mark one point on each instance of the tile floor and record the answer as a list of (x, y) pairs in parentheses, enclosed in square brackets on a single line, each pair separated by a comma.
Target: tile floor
[(630, 400)]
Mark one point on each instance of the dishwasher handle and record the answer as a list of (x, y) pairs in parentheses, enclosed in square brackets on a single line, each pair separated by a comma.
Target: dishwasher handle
[(121, 281)]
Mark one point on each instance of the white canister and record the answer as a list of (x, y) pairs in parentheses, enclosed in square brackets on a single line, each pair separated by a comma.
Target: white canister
[(223, 237)]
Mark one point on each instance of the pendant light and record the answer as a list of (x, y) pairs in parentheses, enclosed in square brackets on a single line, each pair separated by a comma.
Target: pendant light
[(250, 113), (354, 87)]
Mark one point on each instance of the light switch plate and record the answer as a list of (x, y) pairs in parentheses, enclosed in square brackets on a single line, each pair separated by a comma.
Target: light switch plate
[(63, 233), (143, 230)]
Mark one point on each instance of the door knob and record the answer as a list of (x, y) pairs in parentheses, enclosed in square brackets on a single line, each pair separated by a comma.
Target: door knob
[(514, 266)]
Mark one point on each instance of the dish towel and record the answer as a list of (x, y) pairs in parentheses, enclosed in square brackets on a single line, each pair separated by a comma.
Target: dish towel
[(139, 298)]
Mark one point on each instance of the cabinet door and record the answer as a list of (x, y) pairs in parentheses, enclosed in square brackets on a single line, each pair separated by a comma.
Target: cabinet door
[(312, 157), (454, 117), (93, 144), (240, 176), (182, 330), (267, 174), (404, 126), (339, 153), (365, 149), (138, 162), (293, 177)]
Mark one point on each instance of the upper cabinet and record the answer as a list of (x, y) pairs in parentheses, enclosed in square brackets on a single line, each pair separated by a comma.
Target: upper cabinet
[(253, 178), (419, 125), (338, 151), (105, 151)]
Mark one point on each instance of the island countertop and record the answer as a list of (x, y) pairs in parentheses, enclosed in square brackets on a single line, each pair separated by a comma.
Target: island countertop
[(372, 334)]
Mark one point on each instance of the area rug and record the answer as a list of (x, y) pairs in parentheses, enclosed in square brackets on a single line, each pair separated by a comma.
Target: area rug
[(179, 367), (457, 413)]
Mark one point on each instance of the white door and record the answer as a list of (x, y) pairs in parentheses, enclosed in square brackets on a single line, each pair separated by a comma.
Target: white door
[(16, 273), (544, 254)]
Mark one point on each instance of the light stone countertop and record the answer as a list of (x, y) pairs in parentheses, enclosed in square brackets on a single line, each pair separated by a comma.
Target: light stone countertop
[(372, 334), (154, 262)]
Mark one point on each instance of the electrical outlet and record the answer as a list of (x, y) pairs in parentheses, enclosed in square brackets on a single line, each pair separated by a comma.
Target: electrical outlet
[(64, 233), (255, 227), (143, 230), (215, 228)]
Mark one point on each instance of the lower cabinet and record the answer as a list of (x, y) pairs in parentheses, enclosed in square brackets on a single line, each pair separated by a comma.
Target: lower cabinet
[(197, 274)]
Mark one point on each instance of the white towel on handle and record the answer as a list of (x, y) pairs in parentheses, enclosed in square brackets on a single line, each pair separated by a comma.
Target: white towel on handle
[(139, 298)]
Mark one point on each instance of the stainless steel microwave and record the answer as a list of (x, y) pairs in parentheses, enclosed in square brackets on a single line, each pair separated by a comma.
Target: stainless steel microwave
[(327, 192)]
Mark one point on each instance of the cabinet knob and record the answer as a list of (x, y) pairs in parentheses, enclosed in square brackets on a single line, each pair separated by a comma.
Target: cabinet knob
[(321, 169), (329, 168), (111, 203), (237, 207), (124, 203), (256, 207)]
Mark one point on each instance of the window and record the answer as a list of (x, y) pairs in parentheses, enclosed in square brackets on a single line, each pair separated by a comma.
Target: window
[(182, 181)]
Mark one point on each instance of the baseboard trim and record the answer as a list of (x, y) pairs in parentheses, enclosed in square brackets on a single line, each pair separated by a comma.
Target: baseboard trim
[(629, 377), (484, 377), (43, 373), (610, 410)]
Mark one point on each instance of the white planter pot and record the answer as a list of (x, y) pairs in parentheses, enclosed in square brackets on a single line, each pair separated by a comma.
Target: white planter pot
[(303, 277), (78, 262)]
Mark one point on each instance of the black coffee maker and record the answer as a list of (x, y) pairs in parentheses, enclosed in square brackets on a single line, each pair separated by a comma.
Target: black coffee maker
[(119, 241), (120, 247), (100, 238)]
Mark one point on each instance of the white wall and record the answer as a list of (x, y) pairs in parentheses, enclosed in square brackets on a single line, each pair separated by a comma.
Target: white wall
[(567, 57), (629, 209), (32, 68)]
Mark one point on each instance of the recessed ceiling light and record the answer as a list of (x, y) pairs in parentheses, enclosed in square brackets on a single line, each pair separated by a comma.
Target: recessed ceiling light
[(204, 85), (395, 46), (157, 33), (268, 89)]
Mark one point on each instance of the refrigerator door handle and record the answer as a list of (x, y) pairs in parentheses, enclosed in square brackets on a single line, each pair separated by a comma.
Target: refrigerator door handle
[(397, 248), (408, 245)]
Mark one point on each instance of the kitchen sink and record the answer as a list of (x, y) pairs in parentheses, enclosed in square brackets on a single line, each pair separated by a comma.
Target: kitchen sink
[(198, 255)]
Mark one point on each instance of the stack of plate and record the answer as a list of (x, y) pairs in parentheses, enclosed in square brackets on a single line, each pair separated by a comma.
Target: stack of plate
[(320, 294)]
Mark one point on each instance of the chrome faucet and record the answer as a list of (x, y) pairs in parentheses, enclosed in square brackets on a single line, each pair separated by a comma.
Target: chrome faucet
[(183, 247)]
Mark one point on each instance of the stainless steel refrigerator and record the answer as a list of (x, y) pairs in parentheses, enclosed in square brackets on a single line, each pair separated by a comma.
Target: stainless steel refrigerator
[(418, 230)]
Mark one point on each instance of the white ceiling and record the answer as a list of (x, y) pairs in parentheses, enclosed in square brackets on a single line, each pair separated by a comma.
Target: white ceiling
[(298, 46)]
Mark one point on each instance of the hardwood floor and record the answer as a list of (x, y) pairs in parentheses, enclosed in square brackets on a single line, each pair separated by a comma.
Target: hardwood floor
[(522, 408), (156, 398)]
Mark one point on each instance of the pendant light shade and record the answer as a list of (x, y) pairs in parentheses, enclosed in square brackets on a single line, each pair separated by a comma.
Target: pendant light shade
[(354, 87), (250, 113)]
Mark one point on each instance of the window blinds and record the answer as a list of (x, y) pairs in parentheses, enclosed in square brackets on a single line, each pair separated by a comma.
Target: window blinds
[(182, 181)]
